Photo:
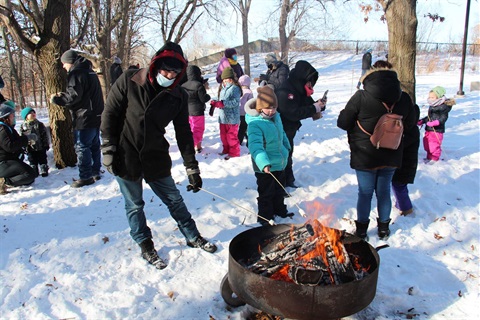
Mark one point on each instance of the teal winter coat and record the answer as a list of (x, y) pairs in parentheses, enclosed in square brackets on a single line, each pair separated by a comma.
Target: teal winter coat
[(267, 142)]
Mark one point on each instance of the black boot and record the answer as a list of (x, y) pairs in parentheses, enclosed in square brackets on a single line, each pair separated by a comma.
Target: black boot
[(361, 230), (150, 254), (44, 170), (383, 230)]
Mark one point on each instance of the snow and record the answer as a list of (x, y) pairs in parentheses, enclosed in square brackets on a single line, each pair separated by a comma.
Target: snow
[(67, 254)]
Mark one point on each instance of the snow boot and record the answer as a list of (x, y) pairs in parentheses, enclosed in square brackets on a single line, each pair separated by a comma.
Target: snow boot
[(44, 170), (361, 229), (150, 254), (383, 230), (203, 244), (81, 183)]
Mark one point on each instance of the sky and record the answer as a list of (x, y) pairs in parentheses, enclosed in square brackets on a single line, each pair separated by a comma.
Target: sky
[(451, 30), (67, 254)]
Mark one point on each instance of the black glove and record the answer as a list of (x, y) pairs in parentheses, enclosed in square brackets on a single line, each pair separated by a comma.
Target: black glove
[(263, 77), (194, 179), (108, 154), (32, 139)]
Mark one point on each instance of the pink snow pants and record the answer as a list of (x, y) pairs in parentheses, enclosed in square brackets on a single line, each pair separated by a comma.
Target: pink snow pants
[(197, 125), (432, 143), (229, 137)]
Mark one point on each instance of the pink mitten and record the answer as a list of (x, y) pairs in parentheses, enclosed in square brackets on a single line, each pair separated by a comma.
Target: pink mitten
[(219, 104), (420, 122), (433, 123)]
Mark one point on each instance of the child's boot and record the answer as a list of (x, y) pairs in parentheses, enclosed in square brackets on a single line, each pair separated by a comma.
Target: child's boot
[(3, 186), (44, 170)]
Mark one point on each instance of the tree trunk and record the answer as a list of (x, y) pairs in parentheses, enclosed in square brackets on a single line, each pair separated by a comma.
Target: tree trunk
[(55, 42), (402, 30), (60, 118), (282, 33), (244, 9)]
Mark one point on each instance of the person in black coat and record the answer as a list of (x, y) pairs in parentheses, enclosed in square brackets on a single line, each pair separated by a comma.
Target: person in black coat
[(277, 71), (406, 173), (84, 99), (197, 97), (295, 103), (374, 167), (139, 107), (366, 65), (115, 69), (13, 171)]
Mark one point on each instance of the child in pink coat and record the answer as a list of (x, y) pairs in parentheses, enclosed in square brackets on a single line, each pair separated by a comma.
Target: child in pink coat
[(438, 111)]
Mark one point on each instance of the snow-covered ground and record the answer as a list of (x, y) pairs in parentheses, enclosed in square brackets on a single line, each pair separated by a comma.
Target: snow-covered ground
[(67, 254)]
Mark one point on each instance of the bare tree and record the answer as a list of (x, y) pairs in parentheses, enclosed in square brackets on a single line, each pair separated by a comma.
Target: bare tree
[(42, 29), (243, 7), (13, 67)]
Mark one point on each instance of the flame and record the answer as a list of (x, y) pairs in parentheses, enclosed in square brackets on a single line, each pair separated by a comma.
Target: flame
[(323, 237)]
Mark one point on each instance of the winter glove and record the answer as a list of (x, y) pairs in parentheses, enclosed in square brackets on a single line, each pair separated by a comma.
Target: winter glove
[(32, 138), (420, 122), (219, 104), (108, 154), (263, 77), (433, 123), (194, 179), (212, 109)]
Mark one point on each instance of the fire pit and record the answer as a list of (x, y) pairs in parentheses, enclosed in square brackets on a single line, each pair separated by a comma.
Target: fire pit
[(291, 300)]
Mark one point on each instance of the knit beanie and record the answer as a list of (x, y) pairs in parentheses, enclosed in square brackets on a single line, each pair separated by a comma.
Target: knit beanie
[(117, 60), (5, 110), (227, 73), (169, 64), (244, 81), (230, 52), (25, 112), (69, 56), (270, 58), (266, 98), (439, 91), (9, 103)]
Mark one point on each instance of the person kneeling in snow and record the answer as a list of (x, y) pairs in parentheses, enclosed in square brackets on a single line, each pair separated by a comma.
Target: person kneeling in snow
[(269, 147), (139, 107)]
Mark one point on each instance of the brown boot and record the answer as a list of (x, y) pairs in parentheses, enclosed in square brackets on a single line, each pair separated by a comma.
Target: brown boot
[(3, 186)]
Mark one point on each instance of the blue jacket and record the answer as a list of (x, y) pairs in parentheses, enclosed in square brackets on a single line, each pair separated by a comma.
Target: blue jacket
[(267, 141), (230, 96)]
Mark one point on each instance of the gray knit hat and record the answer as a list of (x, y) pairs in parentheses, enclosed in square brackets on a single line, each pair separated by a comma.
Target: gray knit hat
[(69, 56), (270, 58)]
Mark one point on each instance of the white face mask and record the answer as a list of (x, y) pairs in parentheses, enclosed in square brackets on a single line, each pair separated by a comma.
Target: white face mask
[(163, 81)]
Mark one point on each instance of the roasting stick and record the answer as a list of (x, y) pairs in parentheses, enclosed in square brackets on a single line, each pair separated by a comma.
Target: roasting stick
[(271, 222), (300, 210)]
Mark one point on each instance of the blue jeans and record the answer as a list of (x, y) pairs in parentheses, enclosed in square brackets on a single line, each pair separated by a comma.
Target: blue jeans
[(87, 147), (167, 191), (369, 181)]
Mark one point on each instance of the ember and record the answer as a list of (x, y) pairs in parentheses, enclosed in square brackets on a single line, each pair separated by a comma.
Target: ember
[(311, 254)]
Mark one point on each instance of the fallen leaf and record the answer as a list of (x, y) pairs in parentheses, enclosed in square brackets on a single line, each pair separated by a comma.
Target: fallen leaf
[(437, 236), (105, 239), (171, 294)]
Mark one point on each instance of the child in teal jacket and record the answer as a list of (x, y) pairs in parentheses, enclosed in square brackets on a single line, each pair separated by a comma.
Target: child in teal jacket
[(269, 148)]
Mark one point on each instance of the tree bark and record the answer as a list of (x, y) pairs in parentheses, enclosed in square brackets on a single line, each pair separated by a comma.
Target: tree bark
[(402, 31), (52, 34), (244, 9)]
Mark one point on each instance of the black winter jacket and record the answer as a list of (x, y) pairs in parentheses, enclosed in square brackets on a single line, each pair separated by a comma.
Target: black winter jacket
[(367, 61), (439, 113), (115, 72), (11, 143), (83, 96), (293, 103), (197, 94), (380, 85), (278, 74), (136, 115), (39, 129), (411, 142)]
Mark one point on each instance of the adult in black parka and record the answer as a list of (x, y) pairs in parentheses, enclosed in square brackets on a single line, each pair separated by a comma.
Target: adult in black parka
[(295, 103), (139, 107), (374, 167)]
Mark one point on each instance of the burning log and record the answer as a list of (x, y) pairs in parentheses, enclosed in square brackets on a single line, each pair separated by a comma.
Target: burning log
[(311, 254)]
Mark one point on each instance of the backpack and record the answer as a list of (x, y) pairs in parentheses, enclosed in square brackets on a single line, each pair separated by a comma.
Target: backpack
[(388, 131)]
